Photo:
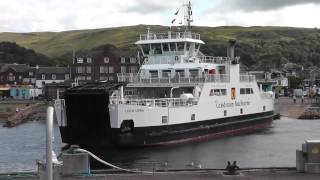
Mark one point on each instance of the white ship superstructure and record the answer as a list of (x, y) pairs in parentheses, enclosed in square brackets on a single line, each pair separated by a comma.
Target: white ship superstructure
[(181, 95)]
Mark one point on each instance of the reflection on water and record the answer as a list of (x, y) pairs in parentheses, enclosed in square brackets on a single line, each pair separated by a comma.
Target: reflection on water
[(272, 147)]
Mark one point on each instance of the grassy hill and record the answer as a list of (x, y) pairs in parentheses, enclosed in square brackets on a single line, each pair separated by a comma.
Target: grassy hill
[(256, 45)]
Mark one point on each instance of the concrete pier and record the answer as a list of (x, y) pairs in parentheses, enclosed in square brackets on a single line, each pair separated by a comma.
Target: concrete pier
[(246, 174), (286, 107)]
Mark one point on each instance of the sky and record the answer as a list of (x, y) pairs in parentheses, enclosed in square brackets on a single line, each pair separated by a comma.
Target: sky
[(62, 15)]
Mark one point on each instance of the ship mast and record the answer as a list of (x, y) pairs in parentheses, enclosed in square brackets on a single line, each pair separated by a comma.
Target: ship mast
[(188, 16)]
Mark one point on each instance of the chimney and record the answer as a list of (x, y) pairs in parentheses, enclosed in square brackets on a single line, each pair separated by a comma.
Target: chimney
[(231, 51)]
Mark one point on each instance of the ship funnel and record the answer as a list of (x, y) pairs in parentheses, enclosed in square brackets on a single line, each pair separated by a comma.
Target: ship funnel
[(231, 51)]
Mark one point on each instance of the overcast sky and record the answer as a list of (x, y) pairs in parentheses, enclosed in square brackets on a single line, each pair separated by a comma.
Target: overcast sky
[(60, 15)]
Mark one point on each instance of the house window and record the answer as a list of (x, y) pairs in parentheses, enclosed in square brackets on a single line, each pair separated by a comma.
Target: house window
[(164, 119), (53, 76), (20, 77), (89, 60), (133, 60), (103, 78), (30, 73), (111, 70), (11, 77), (89, 78), (88, 69), (133, 69), (123, 60), (123, 69), (43, 76), (80, 69), (111, 78), (79, 60), (66, 76), (106, 59)]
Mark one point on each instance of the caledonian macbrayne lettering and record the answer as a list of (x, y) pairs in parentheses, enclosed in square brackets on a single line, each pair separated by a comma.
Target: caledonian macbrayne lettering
[(232, 104)]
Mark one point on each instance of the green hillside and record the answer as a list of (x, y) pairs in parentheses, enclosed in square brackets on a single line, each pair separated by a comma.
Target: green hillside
[(256, 45)]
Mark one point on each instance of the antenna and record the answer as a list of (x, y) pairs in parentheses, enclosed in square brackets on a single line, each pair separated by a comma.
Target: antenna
[(188, 16)]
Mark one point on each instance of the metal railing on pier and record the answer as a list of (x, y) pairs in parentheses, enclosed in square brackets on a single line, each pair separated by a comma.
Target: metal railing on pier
[(163, 102)]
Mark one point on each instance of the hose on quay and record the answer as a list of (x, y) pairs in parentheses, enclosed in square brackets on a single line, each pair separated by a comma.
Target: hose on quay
[(111, 165)]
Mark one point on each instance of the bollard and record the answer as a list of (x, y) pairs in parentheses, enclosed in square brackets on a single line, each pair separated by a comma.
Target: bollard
[(49, 174)]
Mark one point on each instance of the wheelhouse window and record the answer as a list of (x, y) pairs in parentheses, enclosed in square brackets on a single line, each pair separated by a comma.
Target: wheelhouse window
[(173, 47), (145, 48), (180, 46), (165, 47), (156, 48)]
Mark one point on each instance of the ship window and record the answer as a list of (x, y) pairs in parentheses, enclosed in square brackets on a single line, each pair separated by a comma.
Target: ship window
[(180, 46), (145, 48), (246, 91), (193, 117), (264, 108), (180, 73), (173, 47), (188, 46), (164, 119), (153, 74), (225, 112), (156, 48), (241, 111), (165, 47), (218, 92), (166, 73), (194, 72)]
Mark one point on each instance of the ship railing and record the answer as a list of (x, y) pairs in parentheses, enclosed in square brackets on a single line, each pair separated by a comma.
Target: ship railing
[(178, 78), (162, 102), (216, 60), (247, 78), (169, 35)]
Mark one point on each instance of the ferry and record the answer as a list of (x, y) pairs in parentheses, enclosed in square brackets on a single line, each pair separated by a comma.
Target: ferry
[(179, 95)]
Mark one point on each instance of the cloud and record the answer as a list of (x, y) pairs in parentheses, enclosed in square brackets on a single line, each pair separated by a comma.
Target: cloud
[(149, 6), (296, 16), (262, 5)]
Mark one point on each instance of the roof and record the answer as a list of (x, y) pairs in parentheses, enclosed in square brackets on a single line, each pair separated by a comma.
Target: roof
[(16, 67), (53, 70)]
